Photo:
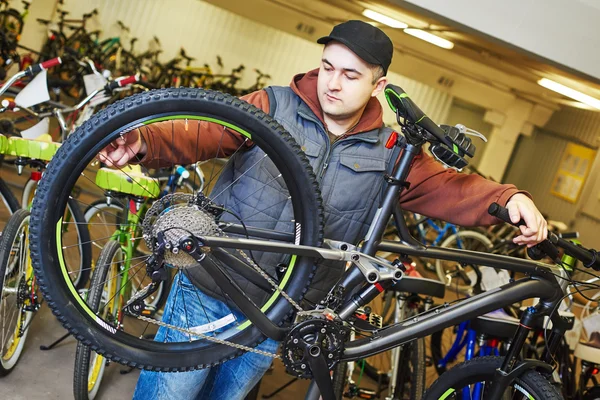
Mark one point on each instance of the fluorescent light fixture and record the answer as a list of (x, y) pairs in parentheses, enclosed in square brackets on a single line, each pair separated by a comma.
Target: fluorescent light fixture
[(384, 19), (567, 91), (428, 37)]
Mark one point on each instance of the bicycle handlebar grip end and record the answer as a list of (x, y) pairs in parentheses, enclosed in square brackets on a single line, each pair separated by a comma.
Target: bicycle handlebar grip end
[(500, 212), (128, 81), (51, 63)]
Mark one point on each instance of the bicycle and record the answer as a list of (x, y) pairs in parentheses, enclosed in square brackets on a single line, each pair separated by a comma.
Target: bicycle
[(110, 285), (316, 340), (19, 286), (461, 278)]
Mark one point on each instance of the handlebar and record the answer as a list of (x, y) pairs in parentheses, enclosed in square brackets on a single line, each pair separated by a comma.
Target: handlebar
[(399, 99), (30, 72), (589, 257)]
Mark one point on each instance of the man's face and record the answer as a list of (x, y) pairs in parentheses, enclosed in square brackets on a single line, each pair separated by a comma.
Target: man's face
[(345, 82)]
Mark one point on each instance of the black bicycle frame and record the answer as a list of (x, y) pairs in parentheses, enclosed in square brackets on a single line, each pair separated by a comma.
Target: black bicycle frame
[(539, 282)]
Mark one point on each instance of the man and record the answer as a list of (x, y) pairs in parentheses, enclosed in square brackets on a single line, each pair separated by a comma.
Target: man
[(334, 103)]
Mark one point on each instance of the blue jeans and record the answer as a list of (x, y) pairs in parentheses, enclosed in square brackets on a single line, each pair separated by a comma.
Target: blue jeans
[(229, 381)]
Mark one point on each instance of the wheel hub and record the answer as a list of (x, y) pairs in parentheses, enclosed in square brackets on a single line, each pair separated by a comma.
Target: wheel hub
[(178, 216)]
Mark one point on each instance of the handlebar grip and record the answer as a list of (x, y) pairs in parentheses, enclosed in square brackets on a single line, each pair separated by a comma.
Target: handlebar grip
[(128, 81), (545, 246), (569, 235), (37, 68), (589, 257), (51, 63), (500, 212), (120, 83)]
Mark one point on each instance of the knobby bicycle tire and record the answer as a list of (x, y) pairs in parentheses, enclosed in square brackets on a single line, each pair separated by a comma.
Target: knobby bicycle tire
[(80, 148), (531, 384), (18, 221), (81, 373)]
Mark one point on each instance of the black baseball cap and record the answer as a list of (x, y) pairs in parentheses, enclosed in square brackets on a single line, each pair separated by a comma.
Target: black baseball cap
[(366, 41)]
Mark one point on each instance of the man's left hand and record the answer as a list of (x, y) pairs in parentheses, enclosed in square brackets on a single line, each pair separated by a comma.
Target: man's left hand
[(521, 207)]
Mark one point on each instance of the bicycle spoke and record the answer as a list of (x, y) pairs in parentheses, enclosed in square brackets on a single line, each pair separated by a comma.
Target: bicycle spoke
[(227, 163), (239, 177)]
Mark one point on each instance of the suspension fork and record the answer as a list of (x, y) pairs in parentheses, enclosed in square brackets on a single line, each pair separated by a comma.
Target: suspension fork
[(510, 370)]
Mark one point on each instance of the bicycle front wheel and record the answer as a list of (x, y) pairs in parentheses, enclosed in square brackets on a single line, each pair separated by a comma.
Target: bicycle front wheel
[(278, 184), (470, 379)]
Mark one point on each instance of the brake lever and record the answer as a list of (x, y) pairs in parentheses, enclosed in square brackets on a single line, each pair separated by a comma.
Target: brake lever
[(472, 132)]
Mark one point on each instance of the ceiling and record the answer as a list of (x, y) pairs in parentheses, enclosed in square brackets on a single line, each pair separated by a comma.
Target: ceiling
[(474, 56)]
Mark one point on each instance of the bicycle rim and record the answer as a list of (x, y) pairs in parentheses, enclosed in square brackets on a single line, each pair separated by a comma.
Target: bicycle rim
[(281, 181)]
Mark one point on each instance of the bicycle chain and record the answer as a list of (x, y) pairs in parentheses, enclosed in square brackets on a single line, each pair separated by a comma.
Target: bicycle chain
[(225, 342), (209, 338)]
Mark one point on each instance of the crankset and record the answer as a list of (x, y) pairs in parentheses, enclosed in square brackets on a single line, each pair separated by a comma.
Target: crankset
[(311, 350)]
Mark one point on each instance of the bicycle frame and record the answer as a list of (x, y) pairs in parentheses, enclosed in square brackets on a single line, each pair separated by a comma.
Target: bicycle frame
[(540, 281)]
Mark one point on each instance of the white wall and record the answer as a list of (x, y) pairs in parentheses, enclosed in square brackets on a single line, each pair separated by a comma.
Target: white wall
[(564, 31)]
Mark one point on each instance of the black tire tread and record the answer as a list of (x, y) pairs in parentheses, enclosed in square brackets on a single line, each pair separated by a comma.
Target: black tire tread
[(11, 230), (531, 380), (83, 352), (119, 108)]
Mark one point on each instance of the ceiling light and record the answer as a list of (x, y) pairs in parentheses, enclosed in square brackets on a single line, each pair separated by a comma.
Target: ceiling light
[(428, 37), (384, 19), (567, 91)]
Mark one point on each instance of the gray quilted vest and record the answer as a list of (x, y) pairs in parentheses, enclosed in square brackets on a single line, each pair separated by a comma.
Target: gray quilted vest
[(350, 175)]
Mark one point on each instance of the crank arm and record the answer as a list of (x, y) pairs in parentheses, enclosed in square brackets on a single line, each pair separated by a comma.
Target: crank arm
[(321, 376)]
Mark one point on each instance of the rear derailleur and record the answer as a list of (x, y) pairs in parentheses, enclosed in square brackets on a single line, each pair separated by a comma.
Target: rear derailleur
[(155, 268)]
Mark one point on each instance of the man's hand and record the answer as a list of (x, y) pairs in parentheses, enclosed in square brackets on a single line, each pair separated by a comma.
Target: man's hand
[(123, 149), (520, 206)]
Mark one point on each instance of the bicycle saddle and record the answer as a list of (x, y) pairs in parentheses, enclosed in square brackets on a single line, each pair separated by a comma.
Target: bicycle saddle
[(129, 180), (42, 148)]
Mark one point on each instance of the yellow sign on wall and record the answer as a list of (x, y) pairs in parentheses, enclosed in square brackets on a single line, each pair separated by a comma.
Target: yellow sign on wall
[(574, 169)]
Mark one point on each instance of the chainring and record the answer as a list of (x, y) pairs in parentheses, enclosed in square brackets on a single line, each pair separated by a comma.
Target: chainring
[(327, 335)]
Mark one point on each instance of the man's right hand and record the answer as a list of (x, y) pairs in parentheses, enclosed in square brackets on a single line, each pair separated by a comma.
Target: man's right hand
[(120, 151)]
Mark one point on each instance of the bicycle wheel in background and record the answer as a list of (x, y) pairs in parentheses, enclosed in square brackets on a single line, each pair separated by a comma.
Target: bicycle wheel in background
[(78, 249), (103, 219), (457, 277), (459, 382), (9, 204), (77, 246), (16, 279), (293, 215), (103, 297)]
